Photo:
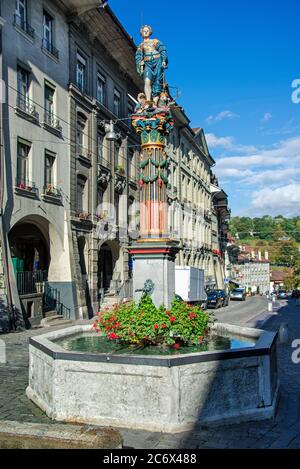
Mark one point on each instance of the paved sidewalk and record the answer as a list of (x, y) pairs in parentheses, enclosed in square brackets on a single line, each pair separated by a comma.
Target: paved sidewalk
[(282, 432)]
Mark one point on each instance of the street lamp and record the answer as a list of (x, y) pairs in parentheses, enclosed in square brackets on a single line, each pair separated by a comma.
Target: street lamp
[(111, 134)]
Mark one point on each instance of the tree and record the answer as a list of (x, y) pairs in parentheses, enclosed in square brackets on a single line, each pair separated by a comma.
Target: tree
[(288, 254)]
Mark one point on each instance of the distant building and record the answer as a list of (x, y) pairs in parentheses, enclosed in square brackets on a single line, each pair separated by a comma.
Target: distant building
[(278, 277), (254, 275)]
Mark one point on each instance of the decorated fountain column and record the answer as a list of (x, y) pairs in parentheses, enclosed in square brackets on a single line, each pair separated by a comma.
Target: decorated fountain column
[(154, 253)]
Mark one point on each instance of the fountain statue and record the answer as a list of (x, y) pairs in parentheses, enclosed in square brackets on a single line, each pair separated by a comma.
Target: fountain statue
[(154, 252)]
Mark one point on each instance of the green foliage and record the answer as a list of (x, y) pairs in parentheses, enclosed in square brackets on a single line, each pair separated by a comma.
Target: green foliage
[(266, 228), (145, 324)]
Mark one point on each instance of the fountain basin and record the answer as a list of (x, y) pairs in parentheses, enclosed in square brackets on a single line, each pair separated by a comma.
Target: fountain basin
[(153, 392)]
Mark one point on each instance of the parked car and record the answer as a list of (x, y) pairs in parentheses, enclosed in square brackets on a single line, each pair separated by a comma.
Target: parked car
[(296, 293), (238, 294), (224, 296), (214, 299), (282, 295)]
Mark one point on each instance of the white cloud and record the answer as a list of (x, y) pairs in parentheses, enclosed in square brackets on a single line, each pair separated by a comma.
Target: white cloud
[(283, 153), (236, 173), (228, 143), (271, 176), (284, 200), (266, 117), (221, 116), (213, 141)]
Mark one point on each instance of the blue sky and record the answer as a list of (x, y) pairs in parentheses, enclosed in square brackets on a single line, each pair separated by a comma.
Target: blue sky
[(234, 63)]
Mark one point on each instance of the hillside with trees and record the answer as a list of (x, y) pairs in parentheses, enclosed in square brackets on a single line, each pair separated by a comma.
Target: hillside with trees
[(278, 235)]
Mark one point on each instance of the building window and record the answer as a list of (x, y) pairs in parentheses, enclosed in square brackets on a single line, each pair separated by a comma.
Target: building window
[(100, 88), (131, 107), (117, 103), (48, 30), (21, 13), (82, 200), (49, 169), (23, 88), (81, 70), (48, 34), (21, 17), (131, 164), (100, 147), (117, 156), (80, 134), (49, 104), (22, 163)]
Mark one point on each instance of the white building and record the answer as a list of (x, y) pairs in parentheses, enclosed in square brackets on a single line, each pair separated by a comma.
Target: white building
[(254, 276)]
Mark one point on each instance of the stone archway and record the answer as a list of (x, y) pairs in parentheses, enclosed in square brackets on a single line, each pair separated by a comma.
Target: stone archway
[(29, 249), (105, 268), (40, 254), (110, 268)]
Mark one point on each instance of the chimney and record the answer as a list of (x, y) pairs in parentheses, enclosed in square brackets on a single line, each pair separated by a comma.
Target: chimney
[(259, 255), (267, 255)]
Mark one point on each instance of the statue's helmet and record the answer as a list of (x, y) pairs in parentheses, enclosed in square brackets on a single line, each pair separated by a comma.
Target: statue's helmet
[(148, 27)]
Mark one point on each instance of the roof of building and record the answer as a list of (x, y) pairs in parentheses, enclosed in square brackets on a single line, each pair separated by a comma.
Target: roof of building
[(279, 275)]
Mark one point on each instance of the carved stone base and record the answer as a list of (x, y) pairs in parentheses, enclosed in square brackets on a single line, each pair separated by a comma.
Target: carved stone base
[(155, 261)]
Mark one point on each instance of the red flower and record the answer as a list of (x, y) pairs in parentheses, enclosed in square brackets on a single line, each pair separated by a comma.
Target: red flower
[(201, 338), (172, 319), (156, 327), (164, 326), (176, 346), (113, 336), (193, 316), (106, 309)]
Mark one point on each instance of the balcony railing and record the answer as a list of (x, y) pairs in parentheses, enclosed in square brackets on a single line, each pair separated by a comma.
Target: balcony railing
[(46, 44), (31, 282), (22, 24), (26, 185), (51, 121), (52, 301), (24, 104)]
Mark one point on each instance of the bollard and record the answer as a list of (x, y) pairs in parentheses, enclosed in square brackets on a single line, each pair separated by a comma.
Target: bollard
[(270, 306), (283, 333)]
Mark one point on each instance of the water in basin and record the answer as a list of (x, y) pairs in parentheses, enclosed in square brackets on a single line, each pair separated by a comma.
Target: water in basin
[(92, 343)]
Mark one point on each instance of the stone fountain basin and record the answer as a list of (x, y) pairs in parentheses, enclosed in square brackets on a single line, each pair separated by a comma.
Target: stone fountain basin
[(155, 393)]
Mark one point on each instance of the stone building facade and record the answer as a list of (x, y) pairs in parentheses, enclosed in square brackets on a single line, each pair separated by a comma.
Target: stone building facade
[(71, 194), (191, 217), (104, 173), (69, 68), (254, 276), (35, 129)]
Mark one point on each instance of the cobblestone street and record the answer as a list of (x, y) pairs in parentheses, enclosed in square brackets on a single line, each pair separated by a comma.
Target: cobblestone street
[(282, 432)]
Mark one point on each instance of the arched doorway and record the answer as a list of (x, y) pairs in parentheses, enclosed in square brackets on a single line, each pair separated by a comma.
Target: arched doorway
[(30, 255), (105, 269), (29, 249)]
